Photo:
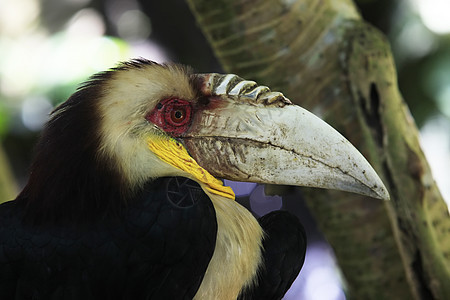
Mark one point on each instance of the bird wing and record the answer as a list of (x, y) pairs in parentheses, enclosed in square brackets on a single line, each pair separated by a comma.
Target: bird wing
[(159, 249), (284, 252)]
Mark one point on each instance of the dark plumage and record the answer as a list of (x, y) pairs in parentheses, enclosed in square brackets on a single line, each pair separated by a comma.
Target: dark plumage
[(147, 252), (68, 181), (284, 254)]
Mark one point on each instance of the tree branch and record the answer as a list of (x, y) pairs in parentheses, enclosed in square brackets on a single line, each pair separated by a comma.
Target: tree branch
[(326, 59)]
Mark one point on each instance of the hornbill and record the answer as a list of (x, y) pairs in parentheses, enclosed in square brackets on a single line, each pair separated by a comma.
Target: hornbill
[(124, 199)]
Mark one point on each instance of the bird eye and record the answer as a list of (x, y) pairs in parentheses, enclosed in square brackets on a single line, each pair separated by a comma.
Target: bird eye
[(178, 115), (177, 112), (173, 115)]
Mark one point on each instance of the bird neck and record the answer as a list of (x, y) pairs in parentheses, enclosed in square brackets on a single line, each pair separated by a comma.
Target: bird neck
[(68, 179), (237, 255)]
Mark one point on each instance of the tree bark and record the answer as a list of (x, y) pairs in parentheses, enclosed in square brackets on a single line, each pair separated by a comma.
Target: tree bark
[(322, 56)]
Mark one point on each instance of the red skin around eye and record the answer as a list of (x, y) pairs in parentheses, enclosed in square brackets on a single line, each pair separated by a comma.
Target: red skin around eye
[(172, 115)]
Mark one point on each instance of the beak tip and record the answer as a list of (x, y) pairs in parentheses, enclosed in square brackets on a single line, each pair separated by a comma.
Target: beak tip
[(384, 194), (379, 191)]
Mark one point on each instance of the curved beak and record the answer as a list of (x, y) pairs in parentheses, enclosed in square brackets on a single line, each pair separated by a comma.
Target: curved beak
[(248, 133)]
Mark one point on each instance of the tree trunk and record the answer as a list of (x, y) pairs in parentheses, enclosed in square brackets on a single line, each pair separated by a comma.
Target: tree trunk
[(322, 56), (8, 188)]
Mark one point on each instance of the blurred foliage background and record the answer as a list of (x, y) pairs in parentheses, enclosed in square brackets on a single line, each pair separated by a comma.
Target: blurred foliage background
[(48, 47)]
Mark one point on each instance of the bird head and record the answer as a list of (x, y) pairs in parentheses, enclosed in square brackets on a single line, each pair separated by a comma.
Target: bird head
[(141, 120)]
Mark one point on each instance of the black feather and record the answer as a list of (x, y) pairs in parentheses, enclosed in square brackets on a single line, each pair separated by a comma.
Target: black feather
[(67, 180), (283, 256), (156, 249)]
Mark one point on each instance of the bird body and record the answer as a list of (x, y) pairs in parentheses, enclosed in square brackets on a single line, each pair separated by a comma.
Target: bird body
[(114, 257), (124, 200)]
